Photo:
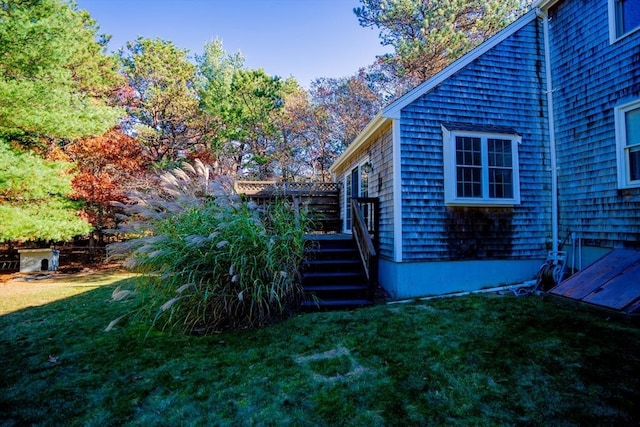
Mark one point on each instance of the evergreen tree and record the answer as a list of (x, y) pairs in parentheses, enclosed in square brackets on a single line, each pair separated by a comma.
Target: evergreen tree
[(164, 109), (55, 80), (33, 198), (56, 85), (427, 35)]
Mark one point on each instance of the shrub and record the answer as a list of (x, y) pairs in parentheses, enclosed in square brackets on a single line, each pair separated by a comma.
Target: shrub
[(212, 261)]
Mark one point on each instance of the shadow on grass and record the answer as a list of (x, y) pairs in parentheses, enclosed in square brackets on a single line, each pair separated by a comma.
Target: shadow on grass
[(29, 290), (471, 360)]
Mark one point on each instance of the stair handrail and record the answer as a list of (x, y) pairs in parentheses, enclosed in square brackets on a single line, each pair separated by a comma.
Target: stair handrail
[(362, 234)]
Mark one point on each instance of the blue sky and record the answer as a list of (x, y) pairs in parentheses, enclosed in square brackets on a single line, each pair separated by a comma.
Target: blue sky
[(305, 39)]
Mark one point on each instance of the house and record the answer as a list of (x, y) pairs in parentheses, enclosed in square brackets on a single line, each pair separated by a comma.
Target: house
[(528, 142)]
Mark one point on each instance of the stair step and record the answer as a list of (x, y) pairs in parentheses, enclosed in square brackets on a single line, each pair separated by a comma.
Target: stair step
[(355, 302), (336, 288), (326, 251), (330, 274), (312, 262)]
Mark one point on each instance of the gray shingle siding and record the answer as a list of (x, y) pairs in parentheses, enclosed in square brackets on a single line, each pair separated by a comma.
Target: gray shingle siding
[(380, 154), (382, 159), (503, 87), (591, 77)]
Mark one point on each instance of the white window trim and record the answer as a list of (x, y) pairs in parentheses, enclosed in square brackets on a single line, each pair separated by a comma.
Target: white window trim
[(613, 33), (620, 111), (450, 179)]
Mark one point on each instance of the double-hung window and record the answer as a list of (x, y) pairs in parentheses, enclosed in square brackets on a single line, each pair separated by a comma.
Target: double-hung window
[(624, 18), (481, 168), (627, 119)]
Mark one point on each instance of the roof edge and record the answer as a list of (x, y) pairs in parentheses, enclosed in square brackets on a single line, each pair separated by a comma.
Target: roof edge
[(393, 109), (543, 4)]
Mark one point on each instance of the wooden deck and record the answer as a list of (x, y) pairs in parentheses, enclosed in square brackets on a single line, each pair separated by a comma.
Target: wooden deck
[(322, 199), (611, 283), (336, 272)]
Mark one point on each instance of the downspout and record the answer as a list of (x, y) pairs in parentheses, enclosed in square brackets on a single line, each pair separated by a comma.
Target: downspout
[(552, 131)]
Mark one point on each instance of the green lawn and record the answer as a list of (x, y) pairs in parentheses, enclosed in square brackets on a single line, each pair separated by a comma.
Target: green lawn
[(475, 360)]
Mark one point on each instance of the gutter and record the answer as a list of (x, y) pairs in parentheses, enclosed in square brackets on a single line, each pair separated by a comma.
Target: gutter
[(543, 4), (552, 132)]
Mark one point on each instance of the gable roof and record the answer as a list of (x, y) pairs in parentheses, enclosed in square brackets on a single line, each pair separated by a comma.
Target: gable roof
[(393, 109)]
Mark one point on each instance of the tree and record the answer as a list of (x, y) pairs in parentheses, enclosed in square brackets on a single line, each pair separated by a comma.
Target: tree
[(427, 35), (162, 103), (107, 167), (56, 84), (34, 202), (382, 79), (242, 103), (55, 79), (349, 103), (306, 148), (290, 158)]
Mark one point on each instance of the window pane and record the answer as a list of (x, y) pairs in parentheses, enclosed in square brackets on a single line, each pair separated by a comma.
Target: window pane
[(632, 119), (364, 183), (468, 151), (628, 16), (500, 168), (469, 181), (468, 166), (500, 183), (347, 203), (500, 153), (634, 165)]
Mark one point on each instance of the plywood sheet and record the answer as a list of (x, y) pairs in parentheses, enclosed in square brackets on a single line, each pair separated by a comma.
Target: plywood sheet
[(619, 292), (612, 282), (594, 276)]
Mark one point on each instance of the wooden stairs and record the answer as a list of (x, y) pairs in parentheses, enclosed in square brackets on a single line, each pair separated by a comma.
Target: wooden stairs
[(333, 276)]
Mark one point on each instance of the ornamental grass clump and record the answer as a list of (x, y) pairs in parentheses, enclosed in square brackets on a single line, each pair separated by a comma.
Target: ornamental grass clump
[(212, 261)]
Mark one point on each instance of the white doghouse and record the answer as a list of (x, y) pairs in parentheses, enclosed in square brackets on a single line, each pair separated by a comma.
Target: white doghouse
[(38, 259)]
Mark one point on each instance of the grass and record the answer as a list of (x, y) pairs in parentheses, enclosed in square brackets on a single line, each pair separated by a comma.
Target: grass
[(483, 359)]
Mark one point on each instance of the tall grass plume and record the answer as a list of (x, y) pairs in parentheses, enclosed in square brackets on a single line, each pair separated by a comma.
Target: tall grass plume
[(211, 260)]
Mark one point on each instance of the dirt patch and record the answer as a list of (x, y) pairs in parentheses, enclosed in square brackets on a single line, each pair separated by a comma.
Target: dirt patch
[(334, 365)]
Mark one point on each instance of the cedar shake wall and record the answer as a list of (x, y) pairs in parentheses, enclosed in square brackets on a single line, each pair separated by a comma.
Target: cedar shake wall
[(381, 186), (591, 77), (505, 88), (380, 153)]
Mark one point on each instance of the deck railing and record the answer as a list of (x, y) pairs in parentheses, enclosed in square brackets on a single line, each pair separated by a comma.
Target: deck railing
[(365, 224), (269, 188), (322, 200)]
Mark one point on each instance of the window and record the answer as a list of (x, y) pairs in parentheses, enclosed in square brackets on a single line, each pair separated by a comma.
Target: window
[(481, 168), (627, 118), (356, 184), (624, 17), (347, 202)]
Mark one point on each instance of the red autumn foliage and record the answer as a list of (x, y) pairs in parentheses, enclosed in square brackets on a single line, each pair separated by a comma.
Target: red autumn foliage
[(205, 156), (107, 166)]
